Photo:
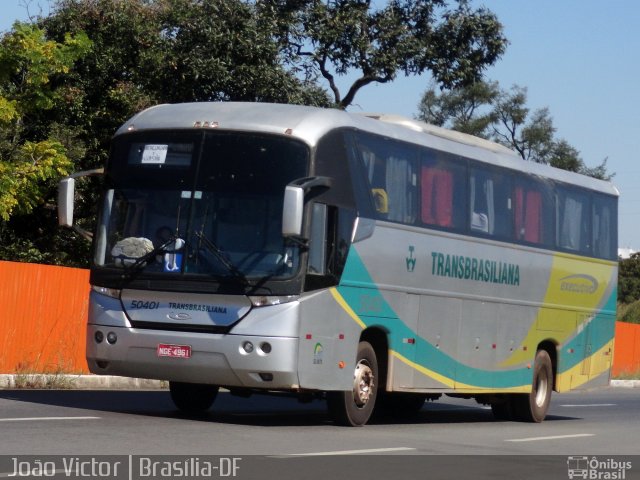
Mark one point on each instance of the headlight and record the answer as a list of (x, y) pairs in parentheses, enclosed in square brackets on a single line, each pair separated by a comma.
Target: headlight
[(265, 301), (109, 292)]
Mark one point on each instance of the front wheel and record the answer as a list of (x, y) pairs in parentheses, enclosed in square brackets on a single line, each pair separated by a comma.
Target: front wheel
[(533, 407), (193, 398), (354, 407)]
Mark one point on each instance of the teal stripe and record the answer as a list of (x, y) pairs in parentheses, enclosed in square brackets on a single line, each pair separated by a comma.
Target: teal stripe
[(598, 332), (356, 277)]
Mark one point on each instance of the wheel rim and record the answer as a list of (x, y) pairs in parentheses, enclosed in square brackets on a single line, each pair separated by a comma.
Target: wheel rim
[(542, 386), (363, 383)]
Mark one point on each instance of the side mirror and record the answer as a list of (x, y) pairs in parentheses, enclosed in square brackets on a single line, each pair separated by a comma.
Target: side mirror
[(296, 194), (66, 190), (292, 211)]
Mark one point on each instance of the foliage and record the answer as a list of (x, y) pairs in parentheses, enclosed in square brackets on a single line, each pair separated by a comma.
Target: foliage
[(21, 180), (629, 279), (33, 154), (325, 38), (462, 109), (629, 313), (220, 50), (28, 63), (488, 111)]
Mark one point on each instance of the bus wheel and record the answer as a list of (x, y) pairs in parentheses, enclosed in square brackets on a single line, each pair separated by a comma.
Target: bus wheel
[(354, 407), (532, 407), (193, 398)]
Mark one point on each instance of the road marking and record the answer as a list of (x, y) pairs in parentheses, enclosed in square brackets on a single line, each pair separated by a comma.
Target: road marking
[(350, 452), (555, 437), (35, 419), (590, 405)]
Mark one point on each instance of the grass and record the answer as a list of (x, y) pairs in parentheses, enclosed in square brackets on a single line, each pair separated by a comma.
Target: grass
[(26, 377), (628, 375)]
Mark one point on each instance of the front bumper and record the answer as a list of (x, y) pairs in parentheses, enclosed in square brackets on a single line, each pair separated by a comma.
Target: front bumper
[(215, 358)]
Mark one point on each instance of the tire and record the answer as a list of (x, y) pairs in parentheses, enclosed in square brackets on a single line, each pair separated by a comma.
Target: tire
[(354, 407), (533, 407), (193, 398)]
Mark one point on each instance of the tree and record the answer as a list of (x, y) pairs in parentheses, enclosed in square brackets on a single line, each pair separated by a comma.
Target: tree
[(328, 38), (32, 155), (485, 110), (221, 50), (27, 160), (462, 109), (629, 279)]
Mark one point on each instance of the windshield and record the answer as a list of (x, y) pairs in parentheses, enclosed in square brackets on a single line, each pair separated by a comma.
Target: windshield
[(201, 203)]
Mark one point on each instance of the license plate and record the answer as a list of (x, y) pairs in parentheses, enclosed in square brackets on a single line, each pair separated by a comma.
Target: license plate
[(174, 351)]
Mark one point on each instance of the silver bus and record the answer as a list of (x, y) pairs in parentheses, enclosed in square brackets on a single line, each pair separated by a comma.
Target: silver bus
[(371, 260)]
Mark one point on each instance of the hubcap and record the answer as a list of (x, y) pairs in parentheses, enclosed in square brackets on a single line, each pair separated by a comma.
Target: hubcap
[(363, 383), (541, 390)]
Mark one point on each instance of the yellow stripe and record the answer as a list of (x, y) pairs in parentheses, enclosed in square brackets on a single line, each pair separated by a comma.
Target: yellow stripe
[(429, 373), (345, 306), (599, 364), (458, 386), (561, 323)]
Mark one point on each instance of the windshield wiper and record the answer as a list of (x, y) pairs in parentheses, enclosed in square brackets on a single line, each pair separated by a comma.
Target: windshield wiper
[(219, 254)]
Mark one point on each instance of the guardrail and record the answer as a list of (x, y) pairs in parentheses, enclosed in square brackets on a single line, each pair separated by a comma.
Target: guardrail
[(44, 315)]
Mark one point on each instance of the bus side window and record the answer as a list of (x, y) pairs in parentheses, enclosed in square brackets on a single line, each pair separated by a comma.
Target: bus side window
[(490, 202), (528, 215), (573, 220), (390, 169), (442, 191), (318, 240), (604, 230), (437, 196)]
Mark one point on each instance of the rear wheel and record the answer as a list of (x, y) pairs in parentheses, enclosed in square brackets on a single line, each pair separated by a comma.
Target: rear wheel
[(193, 398), (354, 407), (533, 407)]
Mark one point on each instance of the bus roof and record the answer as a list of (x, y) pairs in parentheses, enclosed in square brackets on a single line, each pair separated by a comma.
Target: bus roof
[(309, 124)]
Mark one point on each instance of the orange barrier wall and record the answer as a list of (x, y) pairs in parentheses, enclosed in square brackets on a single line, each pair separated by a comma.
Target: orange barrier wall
[(626, 355), (43, 317)]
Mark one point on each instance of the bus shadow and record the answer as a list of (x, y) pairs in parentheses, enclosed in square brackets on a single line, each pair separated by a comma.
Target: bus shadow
[(259, 410)]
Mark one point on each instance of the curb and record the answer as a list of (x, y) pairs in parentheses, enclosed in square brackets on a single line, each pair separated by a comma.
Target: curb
[(107, 382), (625, 383), (79, 382)]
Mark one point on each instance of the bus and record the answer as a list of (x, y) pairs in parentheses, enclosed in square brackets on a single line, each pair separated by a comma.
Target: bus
[(370, 260)]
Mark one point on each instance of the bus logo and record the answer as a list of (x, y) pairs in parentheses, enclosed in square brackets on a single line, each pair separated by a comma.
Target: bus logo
[(596, 468), (411, 260), (317, 354), (579, 283), (578, 467)]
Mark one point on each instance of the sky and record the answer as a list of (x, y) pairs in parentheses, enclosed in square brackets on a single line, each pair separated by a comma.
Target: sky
[(579, 58)]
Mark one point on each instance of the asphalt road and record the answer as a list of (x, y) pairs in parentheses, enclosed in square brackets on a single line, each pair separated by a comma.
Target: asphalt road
[(601, 422)]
